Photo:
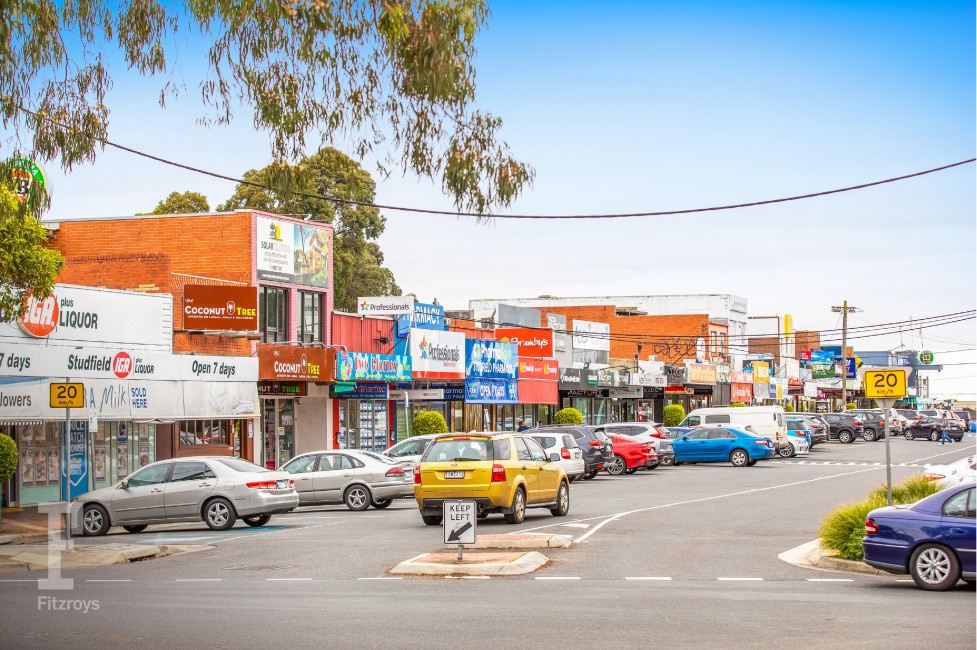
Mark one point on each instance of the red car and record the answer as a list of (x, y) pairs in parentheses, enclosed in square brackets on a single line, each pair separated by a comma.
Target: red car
[(629, 455)]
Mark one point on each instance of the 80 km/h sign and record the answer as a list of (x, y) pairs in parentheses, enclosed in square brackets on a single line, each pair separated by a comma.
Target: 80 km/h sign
[(883, 384)]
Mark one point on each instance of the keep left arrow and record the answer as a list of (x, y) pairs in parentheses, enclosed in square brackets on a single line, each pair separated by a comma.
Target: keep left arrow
[(456, 534)]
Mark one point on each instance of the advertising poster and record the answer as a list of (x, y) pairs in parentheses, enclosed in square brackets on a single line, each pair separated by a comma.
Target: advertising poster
[(292, 253), (77, 481), (99, 463), (144, 456), (27, 435), (40, 467), (40, 435), (122, 460), (27, 467), (53, 465)]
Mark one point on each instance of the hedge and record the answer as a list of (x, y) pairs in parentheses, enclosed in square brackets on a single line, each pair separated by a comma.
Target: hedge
[(427, 422), (568, 416), (672, 415)]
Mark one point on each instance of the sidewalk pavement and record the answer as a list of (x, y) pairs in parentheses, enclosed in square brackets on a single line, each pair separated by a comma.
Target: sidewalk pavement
[(813, 556), (28, 525)]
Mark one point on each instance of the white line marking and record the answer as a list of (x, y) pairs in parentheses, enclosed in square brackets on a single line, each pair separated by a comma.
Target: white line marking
[(576, 525), (108, 580), (22, 580), (830, 580), (476, 577), (649, 578), (383, 578), (740, 579), (557, 577), (198, 579), (286, 579), (271, 532)]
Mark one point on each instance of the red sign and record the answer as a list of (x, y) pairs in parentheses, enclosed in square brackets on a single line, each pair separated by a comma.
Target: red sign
[(805, 355), (293, 362), (542, 369), (41, 316), (684, 390), (210, 307), (531, 342), (741, 393), (122, 365)]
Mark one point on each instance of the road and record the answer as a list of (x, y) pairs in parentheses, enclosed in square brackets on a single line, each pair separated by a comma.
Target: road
[(683, 556)]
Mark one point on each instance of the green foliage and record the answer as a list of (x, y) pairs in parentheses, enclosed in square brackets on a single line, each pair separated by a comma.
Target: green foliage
[(738, 404), (357, 259), (427, 422), (392, 73), (568, 416), (844, 527), (851, 406), (26, 266), (789, 407), (672, 415), (185, 203)]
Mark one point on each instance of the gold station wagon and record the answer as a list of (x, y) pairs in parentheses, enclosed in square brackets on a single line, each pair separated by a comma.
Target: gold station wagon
[(500, 472)]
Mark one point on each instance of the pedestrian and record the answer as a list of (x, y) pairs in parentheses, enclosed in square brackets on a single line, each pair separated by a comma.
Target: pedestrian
[(943, 436), (522, 426)]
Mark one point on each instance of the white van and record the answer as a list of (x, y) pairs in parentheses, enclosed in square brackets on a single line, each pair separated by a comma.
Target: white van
[(767, 421)]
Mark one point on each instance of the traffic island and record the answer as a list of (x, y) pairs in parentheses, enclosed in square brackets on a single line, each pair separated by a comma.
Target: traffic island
[(472, 564), (518, 541)]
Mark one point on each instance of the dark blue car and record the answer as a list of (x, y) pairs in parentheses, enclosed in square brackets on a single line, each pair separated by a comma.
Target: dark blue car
[(722, 444), (932, 539)]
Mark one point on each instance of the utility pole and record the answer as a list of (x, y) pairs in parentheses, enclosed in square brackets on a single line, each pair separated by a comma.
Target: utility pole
[(844, 309)]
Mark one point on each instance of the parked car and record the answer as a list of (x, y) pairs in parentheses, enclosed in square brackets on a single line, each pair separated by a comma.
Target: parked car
[(595, 445), (410, 449), (630, 455), (817, 427), (501, 472), (961, 471), (799, 445), (966, 417), (217, 490), (873, 424), (843, 427), (353, 477), (930, 428), (571, 456), (768, 421), (932, 539), (640, 431), (721, 444)]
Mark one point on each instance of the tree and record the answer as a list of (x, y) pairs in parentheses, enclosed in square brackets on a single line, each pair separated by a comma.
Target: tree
[(672, 415), (428, 422), (8, 460), (26, 266), (392, 75), (185, 203), (568, 416), (357, 260)]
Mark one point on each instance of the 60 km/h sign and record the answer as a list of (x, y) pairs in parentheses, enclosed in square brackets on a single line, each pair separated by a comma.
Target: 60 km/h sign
[(68, 395), (882, 384)]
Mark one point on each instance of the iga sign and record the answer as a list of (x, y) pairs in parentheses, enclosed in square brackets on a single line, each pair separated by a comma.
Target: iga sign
[(531, 342), (437, 355), (290, 362), (210, 307), (295, 253), (384, 306)]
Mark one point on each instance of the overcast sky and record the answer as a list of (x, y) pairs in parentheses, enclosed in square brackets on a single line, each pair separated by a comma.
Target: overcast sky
[(648, 106)]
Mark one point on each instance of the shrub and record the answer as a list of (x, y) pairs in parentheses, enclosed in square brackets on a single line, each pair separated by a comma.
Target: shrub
[(738, 404), (427, 422), (8, 460), (851, 406), (788, 407), (568, 416), (672, 415), (911, 490)]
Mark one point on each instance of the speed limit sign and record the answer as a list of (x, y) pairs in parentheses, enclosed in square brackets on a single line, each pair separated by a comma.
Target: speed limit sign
[(885, 384)]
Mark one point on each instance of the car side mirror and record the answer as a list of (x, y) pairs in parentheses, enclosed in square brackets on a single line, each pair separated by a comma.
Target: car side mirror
[(554, 457), (124, 484)]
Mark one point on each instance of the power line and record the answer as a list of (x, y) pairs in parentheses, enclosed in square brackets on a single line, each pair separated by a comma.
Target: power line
[(660, 213)]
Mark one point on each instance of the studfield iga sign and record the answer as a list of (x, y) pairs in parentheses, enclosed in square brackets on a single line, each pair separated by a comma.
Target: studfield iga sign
[(209, 307)]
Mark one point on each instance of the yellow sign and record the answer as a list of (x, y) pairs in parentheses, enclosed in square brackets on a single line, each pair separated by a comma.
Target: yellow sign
[(882, 384), (68, 396)]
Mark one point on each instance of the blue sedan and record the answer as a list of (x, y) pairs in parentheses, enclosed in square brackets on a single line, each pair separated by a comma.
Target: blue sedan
[(932, 539), (721, 444)]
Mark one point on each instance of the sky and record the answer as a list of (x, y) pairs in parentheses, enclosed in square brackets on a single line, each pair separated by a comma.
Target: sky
[(649, 106)]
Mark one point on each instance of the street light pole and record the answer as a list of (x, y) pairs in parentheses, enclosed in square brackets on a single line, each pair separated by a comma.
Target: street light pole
[(844, 309)]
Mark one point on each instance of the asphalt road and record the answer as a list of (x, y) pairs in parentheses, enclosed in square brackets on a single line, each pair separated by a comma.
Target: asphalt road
[(677, 557)]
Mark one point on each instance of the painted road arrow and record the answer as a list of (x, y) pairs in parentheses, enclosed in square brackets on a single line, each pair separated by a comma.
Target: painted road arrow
[(456, 534)]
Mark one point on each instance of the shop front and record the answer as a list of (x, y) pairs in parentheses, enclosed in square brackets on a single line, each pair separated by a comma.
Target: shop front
[(578, 389), (676, 392), (491, 384), (741, 388), (438, 373), (538, 392), (652, 380), (365, 415)]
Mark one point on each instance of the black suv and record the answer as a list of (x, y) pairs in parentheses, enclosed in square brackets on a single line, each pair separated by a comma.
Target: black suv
[(596, 446), (843, 427), (873, 424)]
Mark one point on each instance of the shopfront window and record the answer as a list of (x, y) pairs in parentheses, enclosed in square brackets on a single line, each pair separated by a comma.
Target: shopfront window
[(40, 462), (272, 314), (582, 404), (310, 317), (363, 425)]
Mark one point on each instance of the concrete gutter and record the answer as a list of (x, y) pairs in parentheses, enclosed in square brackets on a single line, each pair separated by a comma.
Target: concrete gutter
[(41, 557), (813, 556)]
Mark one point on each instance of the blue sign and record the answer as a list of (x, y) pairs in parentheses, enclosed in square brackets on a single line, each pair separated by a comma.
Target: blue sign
[(491, 391), (428, 317), (363, 366), (77, 465), (822, 356), (850, 368), (488, 359), (362, 391)]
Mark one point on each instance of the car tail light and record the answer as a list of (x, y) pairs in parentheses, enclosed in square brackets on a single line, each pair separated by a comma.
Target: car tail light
[(871, 528), (395, 472), (498, 473), (263, 485), (762, 442), (291, 483), (565, 453), (417, 476), (596, 443), (857, 422)]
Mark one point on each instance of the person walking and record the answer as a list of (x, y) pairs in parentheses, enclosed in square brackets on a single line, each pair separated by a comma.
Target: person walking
[(522, 426), (943, 436)]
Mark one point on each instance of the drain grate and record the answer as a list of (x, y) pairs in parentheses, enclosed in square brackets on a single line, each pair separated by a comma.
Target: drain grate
[(258, 567)]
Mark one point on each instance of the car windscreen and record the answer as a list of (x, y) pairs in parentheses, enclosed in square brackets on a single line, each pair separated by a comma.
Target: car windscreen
[(600, 435), (795, 426), (459, 450), (545, 441), (239, 465)]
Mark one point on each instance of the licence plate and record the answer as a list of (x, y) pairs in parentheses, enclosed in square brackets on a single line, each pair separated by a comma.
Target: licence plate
[(282, 485), (455, 474)]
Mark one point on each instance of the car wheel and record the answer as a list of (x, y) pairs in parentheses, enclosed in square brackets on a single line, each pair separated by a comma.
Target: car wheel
[(95, 521), (256, 520), (432, 520), (590, 475), (382, 503), (786, 451), (135, 529), (518, 508), (219, 514), (908, 435), (631, 470), (869, 435), (616, 467), (357, 497), (739, 458), (667, 460), (934, 567), (846, 437), (752, 463), (934, 436), (562, 501)]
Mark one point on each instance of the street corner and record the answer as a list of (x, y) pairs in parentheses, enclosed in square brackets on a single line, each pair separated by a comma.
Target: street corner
[(472, 564), (47, 557), (812, 555)]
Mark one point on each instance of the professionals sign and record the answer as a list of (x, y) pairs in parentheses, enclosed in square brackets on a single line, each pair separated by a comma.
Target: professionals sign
[(532, 342), (491, 391), (761, 372), (210, 307), (437, 355), (491, 359), (362, 366), (885, 384), (384, 305)]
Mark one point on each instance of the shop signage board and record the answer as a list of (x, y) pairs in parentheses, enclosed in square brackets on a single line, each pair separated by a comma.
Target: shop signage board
[(481, 390), (741, 393), (226, 308), (740, 378), (573, 379), (650, 379), (384, 305), (437, 355), (27, 176), (424, 316), (679, 390), (724, 373), (761, 390), (634, 392), (558, 323), (292, 362), (761, 372), (588, 335), (540, 369), (363, 366), (592, 392), (675, 375), (701, 373), (488, 359), (282, 388), (74, 473), (292, 253), (99, 317), (532, 342), (418, 395), (362, 392), (810, 389)]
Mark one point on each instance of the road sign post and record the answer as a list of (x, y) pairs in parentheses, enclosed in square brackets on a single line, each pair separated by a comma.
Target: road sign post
[(67, 395), (460, 522), (885, 387)]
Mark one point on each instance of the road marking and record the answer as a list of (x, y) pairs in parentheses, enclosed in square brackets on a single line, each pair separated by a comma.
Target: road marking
[(740, 579), (381, 578), (273, 532), (649, 578), (106, 580), (22, 580), (198, 579), (576, 525), (830, 580), (287, 579), (557, 577)]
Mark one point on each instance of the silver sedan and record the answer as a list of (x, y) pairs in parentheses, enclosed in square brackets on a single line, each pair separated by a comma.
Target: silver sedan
[(357, 478), (215, 489)]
